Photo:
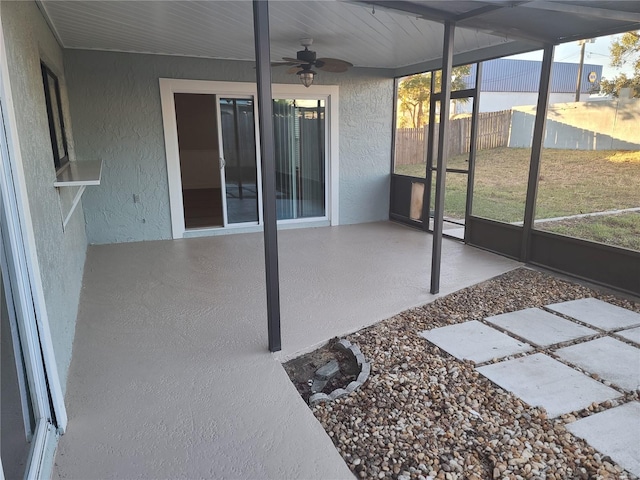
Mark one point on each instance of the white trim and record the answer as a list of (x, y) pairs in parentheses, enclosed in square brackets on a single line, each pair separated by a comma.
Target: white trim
[(256, 126), (74, 204), (333, 106), (223, 168), (218, 231), (78, 174), (222, 162), (331, 95), (170, 86), (26, 236), (167, 89), (37, 451), (23, 378)]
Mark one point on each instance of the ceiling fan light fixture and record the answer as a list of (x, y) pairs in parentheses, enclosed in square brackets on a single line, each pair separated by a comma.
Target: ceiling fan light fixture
[(306, 77), (306, 60)]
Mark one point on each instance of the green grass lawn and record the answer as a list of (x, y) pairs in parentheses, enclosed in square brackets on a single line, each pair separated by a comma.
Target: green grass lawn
[(571, 182), (622, 230)]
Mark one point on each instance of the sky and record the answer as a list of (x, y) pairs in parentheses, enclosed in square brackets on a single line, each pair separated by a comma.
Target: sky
[(596, 53)]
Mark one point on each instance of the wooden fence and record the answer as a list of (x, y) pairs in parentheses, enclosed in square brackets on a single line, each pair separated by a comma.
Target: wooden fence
[(493, 132)]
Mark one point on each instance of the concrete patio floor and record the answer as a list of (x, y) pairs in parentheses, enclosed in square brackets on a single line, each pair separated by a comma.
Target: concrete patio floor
[(170, 374)]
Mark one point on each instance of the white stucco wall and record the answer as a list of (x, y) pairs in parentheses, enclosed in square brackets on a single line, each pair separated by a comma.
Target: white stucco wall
[(61, 253), (603, 125), (115, 103)]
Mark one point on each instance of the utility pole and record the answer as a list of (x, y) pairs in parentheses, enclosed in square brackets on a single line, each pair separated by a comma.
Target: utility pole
[(583, 43)]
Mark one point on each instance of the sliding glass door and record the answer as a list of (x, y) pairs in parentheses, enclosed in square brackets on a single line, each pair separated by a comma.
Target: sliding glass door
[(30, 397), (299, 127), (212, 141), (238, 160)]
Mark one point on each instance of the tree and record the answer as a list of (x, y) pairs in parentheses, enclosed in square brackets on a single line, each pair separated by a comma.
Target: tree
[(624, 51), (414, 95)]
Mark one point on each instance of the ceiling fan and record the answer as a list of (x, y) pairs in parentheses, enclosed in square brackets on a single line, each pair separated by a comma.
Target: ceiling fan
[(306, 60)]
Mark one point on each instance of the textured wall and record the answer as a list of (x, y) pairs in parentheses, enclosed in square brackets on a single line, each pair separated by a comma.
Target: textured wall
[(115, 103), (366, 118), (60, 253)]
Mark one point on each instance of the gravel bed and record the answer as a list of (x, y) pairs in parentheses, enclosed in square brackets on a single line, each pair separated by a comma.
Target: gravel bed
[(424, 414)]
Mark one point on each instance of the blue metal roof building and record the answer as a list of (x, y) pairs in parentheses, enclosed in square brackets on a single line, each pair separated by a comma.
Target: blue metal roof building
[(509, 75)]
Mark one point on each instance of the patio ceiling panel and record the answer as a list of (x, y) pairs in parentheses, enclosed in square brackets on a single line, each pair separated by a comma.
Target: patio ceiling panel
[(357, 32), (403, 36), (201, 29)]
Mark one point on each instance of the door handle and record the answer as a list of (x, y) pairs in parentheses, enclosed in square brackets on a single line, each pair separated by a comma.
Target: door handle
[(222, 163)]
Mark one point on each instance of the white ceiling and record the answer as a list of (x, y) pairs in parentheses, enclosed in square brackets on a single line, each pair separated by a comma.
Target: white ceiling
[(367, 37)]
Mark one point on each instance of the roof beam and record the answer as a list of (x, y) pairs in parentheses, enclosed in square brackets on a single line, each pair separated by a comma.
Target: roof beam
[(482, 11), (469, 19), (509, 32), (601, 33), (473, 56), (605, 13)]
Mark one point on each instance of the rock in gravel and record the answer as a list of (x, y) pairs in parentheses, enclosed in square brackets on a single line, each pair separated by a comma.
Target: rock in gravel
[(328, 371)]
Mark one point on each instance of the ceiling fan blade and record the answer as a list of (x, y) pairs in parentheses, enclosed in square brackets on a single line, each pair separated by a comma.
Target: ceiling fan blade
[(294, 69), (333, 65), (291, 60)]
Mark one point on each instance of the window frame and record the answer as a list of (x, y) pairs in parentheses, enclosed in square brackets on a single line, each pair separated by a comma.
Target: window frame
[(59, 161)]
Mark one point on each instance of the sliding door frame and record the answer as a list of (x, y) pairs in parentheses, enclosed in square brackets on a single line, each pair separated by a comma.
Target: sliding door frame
[(23, 283), (222, 151), (328, 93)]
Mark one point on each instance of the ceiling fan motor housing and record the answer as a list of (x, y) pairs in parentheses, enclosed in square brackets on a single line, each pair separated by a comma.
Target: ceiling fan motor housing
[(306, 56)]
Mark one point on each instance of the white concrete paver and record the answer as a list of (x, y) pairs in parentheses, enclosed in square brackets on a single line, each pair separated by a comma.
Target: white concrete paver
[(633, 334), (611, 359), (540, 327), (542, 381), (614, 432), (474, 341), (597, 313)]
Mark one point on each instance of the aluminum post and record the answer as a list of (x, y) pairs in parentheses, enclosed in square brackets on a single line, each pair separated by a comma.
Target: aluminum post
[(443, 144), (267, 153), (536, 150)]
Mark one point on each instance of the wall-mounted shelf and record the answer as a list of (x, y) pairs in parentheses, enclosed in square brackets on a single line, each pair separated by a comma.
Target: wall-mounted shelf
[(77, 174)]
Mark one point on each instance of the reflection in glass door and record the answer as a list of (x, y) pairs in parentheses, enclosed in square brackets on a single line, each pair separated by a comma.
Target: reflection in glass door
[(196, 123), (238, 160), (299, 127)]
